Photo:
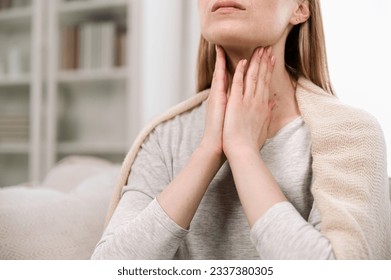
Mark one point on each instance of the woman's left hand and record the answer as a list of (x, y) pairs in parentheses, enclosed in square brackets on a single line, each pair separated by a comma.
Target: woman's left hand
[(248, 111)]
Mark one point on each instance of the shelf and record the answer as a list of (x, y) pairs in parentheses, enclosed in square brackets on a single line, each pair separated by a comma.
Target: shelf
[(15, 17), (82, 76), (22, 80), (14, 148), (76, 11), (70, 111), (91, 148)]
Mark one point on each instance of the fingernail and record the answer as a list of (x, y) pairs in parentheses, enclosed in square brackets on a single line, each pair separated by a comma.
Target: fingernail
[(244, 63), (260, 51)]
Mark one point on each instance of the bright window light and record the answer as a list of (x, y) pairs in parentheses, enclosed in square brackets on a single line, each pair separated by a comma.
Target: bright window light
[(358, 41)]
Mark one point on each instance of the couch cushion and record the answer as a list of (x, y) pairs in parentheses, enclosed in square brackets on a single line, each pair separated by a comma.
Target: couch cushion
[(44, 223), (72, 170)]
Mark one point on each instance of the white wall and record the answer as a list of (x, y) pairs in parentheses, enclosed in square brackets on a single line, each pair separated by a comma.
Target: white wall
[(170, 34), (358, 45)]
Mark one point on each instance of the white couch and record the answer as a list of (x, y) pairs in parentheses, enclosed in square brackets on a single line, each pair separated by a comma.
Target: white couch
[(63, 217)]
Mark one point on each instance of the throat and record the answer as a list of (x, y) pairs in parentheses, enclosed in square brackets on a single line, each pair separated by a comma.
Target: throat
[(284, 111)]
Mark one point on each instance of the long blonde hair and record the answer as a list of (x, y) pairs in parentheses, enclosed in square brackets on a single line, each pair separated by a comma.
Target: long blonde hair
[(305, 53)]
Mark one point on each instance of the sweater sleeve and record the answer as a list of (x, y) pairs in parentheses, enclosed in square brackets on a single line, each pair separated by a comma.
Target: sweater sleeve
[(148, 234), (282, 233), (139, 228)]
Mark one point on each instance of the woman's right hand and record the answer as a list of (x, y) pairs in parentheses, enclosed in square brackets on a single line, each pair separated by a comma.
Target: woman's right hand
[(181, 198), (215, 109)]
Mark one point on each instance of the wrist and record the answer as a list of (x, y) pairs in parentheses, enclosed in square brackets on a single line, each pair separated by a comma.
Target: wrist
[(241, 153), (210, 152)]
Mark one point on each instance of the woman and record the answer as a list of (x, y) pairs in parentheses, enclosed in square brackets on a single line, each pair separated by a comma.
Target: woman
[(267, 163)]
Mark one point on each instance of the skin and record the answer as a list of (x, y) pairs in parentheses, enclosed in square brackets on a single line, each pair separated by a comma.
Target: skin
[(251, 98)]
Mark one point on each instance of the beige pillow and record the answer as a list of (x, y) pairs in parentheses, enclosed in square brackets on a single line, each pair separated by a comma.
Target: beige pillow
[(72, 170), (43, 223)]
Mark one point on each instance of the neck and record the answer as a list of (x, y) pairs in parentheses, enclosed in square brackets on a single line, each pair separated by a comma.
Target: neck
[(281, 83), (282, 87)]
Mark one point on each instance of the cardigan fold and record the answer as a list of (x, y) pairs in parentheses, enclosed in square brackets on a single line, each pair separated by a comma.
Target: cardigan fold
[(350, 181)]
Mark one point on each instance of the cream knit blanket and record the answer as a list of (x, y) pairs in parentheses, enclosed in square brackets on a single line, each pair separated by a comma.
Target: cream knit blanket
[(350, 182)]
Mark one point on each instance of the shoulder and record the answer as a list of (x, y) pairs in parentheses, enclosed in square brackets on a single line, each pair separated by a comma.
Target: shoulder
[(188, 114), (324, 112), (168, 120)]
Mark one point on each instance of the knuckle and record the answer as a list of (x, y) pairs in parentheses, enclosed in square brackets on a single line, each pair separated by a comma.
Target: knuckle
[(239, 82), (253, 78)]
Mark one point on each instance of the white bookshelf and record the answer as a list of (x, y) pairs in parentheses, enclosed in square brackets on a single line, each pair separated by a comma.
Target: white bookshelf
[(19, 16), (21, 81), (75, 110), (14, 148), (78, 10), (21, 92), (90, 111), (80, 76)]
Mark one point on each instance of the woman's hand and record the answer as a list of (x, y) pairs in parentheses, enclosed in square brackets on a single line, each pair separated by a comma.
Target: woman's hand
[(181, 198), (216, 106), (246, 125), (248, 111)]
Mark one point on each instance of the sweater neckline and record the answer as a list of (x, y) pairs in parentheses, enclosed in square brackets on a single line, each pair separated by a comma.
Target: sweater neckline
[(287, 127)]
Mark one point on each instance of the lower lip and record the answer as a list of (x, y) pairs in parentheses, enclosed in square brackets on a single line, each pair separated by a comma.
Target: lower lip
[(227, 10)]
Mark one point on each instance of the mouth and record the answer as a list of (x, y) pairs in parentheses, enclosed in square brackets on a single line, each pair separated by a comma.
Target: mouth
[(227, 5)]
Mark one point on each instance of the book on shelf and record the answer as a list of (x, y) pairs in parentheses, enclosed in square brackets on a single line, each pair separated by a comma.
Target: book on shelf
[(5, 4), (14, 120), (85, 45), (92, 45), (17, 60), (120, 46), (14, 58), (14, 128), (8, 4), (107, 47), (69, 47)]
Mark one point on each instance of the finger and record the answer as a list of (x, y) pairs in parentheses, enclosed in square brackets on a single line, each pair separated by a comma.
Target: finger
[(238, 81), (252, 73), (261, 90), (264, 65), (272, 104), (269, 74), (219, 81)]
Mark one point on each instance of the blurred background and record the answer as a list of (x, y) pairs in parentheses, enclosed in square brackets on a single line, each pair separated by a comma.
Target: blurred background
[(82, 77)]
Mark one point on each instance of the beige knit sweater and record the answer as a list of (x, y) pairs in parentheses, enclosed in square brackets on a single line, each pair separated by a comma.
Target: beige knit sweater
[(350, 183)]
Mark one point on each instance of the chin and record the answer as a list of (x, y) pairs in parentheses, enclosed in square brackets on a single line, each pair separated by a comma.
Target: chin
[(237, 37), (232, 41)]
